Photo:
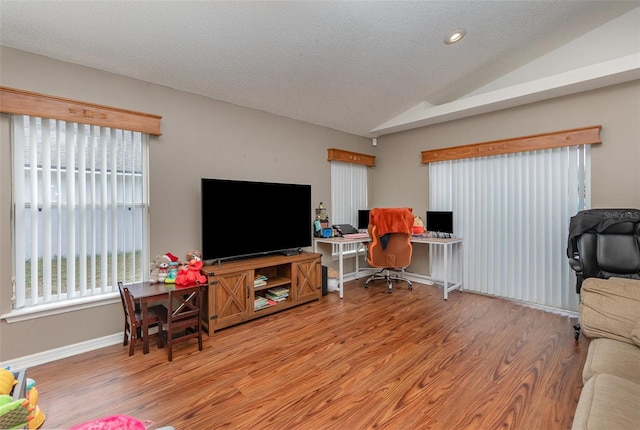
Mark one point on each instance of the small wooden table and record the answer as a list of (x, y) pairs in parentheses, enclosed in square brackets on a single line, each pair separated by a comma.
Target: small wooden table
[(146, 292)]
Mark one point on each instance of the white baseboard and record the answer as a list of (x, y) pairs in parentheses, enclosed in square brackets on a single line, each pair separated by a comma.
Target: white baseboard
[(63, 352)]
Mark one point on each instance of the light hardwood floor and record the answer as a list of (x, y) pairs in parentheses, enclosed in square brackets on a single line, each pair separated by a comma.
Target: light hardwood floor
[(407, 360)]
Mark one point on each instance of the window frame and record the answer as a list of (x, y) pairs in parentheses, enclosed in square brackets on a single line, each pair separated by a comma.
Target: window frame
[(16, 101)]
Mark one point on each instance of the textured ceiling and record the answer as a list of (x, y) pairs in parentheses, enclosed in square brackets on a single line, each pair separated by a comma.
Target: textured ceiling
[(348, 65)]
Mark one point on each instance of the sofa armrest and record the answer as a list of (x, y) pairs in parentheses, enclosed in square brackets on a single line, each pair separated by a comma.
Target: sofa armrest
[(609, 308)]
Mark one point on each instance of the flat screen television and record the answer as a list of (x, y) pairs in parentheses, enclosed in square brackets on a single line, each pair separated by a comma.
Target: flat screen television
[(245, 218), (440, 221)]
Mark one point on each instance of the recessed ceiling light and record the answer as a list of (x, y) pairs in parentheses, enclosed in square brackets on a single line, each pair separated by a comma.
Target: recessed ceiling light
[(455, 36)]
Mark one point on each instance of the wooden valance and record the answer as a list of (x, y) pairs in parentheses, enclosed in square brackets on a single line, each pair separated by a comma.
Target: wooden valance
[(576, 136), (334, 154), (20, 102)]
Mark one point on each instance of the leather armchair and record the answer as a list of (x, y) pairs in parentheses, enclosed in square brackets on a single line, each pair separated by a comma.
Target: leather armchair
[(605, 243)]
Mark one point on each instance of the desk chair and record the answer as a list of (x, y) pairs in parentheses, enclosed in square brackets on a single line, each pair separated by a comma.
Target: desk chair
[(390, 248), (133, 319), (604, 243), (182, 320)]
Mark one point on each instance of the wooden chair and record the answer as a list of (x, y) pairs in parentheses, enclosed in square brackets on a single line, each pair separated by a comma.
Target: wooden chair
[(133, 319), (182, 320)]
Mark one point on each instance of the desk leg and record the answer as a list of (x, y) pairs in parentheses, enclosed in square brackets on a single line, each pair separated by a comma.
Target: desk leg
[(446, 272), (145, 326), (341, 270), (358, 259)]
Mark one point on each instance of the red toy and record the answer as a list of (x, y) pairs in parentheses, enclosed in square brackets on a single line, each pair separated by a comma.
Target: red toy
[(189, 274)]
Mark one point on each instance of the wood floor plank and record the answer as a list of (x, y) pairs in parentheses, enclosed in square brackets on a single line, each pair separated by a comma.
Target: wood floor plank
[(407, 360)]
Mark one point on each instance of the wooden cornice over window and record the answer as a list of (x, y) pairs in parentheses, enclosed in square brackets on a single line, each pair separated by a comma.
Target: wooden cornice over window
[(20, 102), (334, 154), (573, 137)]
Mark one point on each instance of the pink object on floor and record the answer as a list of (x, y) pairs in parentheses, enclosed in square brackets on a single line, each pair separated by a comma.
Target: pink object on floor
[(114, 422)]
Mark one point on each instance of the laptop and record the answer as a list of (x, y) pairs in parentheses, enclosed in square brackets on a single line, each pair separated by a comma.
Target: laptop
[(343, 229)]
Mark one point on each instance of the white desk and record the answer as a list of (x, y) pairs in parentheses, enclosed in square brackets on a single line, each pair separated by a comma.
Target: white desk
[(447, 245), (341, 242)]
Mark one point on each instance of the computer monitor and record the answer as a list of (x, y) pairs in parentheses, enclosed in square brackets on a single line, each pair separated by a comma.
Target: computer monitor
[(363, 219), (440, 221)]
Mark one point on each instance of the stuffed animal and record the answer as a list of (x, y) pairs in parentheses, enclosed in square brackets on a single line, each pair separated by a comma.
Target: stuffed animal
[(7, 381), (155, 269), (418, 225), (171, 275), (189, 274), (161, 266)]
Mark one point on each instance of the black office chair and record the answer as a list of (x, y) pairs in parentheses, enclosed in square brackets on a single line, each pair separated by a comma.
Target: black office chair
[(604, 243)]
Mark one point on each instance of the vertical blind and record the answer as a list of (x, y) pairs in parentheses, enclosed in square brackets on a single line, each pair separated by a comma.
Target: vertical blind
[(513, 212), (80, 205), (348, 195)]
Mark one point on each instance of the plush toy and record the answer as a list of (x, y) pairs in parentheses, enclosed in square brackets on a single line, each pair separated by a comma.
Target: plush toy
[(161, 266), (418, 225), (189, 274), (171, 275), (7, 381), (155, 269)]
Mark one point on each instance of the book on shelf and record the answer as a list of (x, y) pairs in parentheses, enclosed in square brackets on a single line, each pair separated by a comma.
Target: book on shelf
[(279, 291), (276, 298), (260, 303), (263, 303), (260, 280)]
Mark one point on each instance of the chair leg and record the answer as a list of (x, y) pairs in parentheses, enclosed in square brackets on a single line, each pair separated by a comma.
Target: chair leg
[(388, 277), (160, 335), (132, 343), (126, 334)]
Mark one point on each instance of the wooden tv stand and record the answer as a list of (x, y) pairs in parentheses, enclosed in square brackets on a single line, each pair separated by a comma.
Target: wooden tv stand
[(230, 295)]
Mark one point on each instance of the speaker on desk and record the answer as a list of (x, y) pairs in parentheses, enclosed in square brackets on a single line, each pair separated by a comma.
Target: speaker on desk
[(325, 272)]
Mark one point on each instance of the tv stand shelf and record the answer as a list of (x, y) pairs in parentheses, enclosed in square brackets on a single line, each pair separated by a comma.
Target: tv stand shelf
[(231, 295)]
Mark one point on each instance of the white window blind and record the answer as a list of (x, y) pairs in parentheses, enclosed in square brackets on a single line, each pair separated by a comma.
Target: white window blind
[(80, 207), (513, 212), (348, 195)]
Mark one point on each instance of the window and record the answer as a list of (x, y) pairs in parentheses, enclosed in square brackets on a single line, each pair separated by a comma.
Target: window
[(80, 209), (513, 211), (348, 195)]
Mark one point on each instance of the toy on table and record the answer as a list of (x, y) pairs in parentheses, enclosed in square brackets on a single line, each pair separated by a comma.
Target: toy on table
[(161, 267), (189, 274), (418, 225), (171, 276)]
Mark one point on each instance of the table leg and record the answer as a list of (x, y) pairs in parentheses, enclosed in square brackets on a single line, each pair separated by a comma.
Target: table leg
[(145, 326), (446, 272), (341, 269)]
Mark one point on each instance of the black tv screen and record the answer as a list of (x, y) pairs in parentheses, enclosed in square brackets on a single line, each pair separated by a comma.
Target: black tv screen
[(245, 218), (440, 221)]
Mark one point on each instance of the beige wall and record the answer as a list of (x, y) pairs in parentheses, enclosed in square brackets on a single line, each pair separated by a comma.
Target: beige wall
[(201, 138), (206, 138)]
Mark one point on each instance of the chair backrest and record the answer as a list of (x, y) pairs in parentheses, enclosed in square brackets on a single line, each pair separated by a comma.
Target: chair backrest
[(185, 308), (390, 231), (606, 248), (127, 304)]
